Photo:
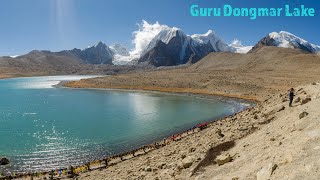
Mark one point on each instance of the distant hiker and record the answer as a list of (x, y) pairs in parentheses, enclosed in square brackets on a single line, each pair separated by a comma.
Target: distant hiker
[(291, 95)]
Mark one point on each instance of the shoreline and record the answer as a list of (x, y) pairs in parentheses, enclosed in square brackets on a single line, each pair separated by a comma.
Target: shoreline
[(114, 159), (186, 91), (221, 97), (179, 135)]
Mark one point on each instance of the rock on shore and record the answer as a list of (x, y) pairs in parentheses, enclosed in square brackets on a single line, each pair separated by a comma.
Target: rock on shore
[(4, 161)]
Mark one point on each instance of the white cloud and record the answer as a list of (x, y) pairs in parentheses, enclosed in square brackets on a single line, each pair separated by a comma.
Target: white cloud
[(143, 36), (236, 42)]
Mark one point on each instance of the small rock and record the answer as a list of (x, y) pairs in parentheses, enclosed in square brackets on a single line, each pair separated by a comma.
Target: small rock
[(4, 161), (299, 89), (192, 150), (275, 109), (161, 165), (297, 100), (305, 101), (272, 139), (222, 159), (266, 172), (220, 133), (183, 156), (303, 92), (314, 83), (148, 169), (303, 114), (280, 108), (179, 167), (187, 162), (235, 178), (143, 174)]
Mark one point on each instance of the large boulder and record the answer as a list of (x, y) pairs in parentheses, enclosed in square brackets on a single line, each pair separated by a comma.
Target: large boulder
[(187, 162), (4, 161)]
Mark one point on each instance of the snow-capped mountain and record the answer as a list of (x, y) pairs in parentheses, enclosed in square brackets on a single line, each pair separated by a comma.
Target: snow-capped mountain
[(237, 47), (286, 40), (121, 55), (171, 46), (119, 49), (98, 54), (161, 45), (209, 38)]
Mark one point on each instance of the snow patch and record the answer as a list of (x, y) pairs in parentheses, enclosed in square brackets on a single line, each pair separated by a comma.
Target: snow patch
[(14, 56)]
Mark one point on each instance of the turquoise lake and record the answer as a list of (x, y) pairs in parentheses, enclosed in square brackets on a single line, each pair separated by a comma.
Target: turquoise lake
[(43, 127)]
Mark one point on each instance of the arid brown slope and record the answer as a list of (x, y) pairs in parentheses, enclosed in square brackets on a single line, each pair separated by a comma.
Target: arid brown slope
[(252, 76)]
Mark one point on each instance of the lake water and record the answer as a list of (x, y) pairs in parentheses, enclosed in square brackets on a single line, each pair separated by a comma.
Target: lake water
[(43, 128)]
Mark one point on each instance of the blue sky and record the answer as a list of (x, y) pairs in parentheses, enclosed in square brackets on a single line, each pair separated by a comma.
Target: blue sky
[(66, 24)]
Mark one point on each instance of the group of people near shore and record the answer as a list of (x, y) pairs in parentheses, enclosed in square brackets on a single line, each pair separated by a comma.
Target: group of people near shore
[(72, 171)]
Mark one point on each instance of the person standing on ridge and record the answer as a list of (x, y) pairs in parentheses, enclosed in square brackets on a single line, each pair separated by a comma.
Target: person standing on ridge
[(291, 95)]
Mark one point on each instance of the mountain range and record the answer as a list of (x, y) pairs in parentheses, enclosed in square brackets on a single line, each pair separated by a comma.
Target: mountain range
[(171, 46)]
